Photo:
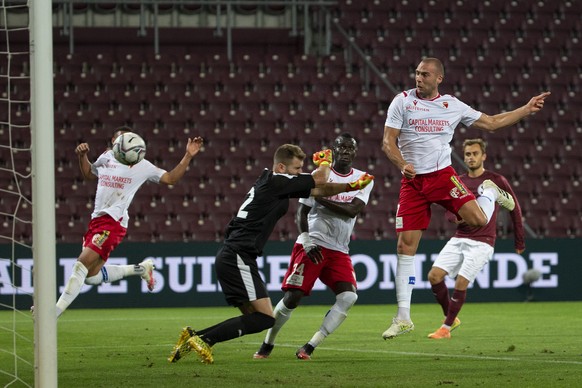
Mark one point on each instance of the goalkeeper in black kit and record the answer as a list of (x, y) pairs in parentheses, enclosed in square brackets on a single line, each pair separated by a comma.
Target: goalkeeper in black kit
[(246, 235)]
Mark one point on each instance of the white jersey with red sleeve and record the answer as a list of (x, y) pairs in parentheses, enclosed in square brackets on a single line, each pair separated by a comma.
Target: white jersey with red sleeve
[(327, 228), (118, 183), (427, 127)]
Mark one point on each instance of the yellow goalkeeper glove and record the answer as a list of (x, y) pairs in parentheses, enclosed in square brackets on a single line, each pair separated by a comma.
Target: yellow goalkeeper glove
[(361, 183), (323, 157)]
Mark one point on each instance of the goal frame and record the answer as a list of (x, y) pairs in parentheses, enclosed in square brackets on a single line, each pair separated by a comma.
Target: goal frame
[(43, 193)]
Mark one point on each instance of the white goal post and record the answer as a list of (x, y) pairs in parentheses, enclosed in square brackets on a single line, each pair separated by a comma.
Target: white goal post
[(43, 193)]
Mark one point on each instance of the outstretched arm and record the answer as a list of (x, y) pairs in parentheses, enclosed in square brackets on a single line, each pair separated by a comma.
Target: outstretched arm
[(192, 148), (329, 189), (322, 159), (505, 119), (84, 164)]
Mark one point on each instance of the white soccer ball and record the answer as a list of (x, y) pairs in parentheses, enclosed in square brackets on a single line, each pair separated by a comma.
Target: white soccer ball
[(129, 148)]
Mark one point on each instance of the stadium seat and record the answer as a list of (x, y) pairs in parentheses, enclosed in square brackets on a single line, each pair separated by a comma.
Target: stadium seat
[(172, 94)]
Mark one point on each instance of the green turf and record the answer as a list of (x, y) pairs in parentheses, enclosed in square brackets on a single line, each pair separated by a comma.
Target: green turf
[(497, 345)]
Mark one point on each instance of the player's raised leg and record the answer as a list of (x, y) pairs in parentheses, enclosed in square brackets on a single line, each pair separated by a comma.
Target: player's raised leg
[(502, 197), (111, 273)]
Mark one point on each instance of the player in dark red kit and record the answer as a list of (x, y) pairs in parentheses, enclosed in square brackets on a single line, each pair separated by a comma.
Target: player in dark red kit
[(465, 254)]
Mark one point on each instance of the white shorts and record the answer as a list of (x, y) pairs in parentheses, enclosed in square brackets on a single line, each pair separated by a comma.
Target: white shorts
[(465, 257)]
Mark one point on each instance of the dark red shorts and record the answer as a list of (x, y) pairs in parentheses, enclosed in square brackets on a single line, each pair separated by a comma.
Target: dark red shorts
[(302, 272), (443, 187), (103, 235)]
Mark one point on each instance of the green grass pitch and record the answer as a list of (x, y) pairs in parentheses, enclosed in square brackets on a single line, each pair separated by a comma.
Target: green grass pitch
[(498, 345)]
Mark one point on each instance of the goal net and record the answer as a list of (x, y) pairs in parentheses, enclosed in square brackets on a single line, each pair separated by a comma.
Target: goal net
[(27, 345)]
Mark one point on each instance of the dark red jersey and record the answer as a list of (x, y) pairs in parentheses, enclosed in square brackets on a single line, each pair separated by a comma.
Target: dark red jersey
[(488, 233)]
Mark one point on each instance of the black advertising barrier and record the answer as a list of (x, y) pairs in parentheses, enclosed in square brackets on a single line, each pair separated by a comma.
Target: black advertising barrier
[(185, 274)]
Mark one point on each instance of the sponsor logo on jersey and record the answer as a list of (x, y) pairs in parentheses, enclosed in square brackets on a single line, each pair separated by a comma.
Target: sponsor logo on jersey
[(295, 280), (459, 186), (100, 238), (399, 223), (446, 104), (411, 107)]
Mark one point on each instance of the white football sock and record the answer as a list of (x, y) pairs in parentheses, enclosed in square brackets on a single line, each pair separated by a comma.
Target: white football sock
[(487, 202), (72, 288), (405, 280), (112, 273), (282, 315), (335, 316)]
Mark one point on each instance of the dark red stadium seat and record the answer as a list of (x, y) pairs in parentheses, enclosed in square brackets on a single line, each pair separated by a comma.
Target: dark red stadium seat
[(497, 61)]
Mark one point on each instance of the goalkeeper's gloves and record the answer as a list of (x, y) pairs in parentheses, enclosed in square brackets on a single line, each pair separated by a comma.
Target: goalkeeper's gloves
[(311, 249), (322, 158), (361, 183)]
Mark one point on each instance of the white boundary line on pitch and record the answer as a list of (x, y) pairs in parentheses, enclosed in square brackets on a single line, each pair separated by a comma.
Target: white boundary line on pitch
[(444, 355), (466, 356)]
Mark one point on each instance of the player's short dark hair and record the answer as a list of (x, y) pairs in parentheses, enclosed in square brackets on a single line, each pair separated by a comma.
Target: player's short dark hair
[(482, 143), (118, 131), (285, 154), (344, 135), (436, 63), (123, 128)]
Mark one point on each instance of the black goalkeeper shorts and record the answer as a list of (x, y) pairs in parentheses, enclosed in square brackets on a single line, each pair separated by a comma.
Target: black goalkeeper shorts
[(239, 277)]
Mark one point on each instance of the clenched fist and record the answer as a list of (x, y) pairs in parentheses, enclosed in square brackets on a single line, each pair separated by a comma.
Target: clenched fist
[(323, 157)]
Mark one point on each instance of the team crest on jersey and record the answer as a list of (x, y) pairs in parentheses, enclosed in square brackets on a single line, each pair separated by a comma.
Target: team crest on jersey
[(446, 104), (459, 189), (100, 238), (415, 102)]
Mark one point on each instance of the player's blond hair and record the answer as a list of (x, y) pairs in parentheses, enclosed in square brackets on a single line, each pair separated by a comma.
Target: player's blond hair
[(482, 143), (285, 154)]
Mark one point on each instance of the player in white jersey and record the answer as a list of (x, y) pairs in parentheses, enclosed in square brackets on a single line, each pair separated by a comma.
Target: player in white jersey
[(116, 187), (322, 251), (245, 238), (419, 127)]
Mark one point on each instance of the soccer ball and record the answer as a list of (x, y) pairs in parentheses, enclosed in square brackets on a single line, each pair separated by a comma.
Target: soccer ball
[(129, 148)]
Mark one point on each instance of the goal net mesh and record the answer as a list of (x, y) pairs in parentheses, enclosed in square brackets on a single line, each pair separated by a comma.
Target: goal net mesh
[(16, 325)]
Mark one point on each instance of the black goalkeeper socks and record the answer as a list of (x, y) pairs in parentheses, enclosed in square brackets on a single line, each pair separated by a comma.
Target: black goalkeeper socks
[(237, 327)]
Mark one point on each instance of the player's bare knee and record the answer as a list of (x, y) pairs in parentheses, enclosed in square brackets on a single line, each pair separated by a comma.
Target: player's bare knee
[(292, 298), (408, 242), (476, 220), (436, 275), (405, 249)]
